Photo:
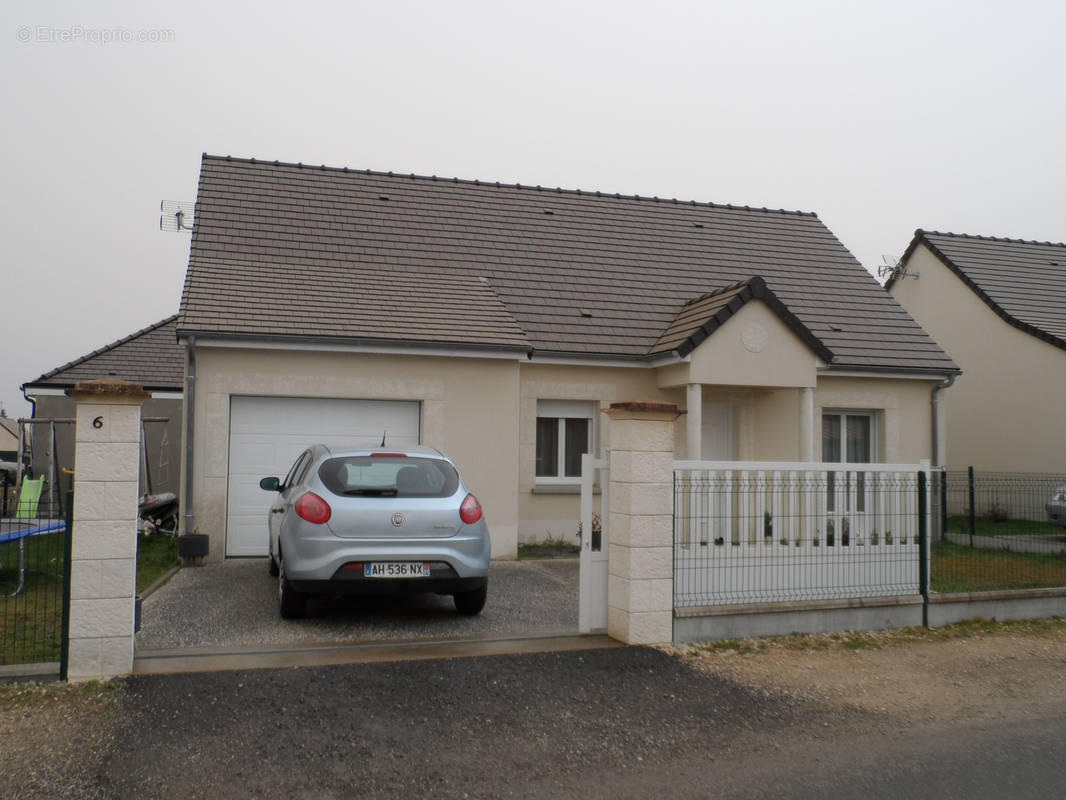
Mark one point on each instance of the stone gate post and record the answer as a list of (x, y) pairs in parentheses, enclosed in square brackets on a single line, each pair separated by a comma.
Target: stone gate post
[(103, 572), (640, 585)]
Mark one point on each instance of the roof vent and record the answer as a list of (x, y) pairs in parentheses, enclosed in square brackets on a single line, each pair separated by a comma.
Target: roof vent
[(548, 211), (383, 197), (697, 224), (836, 328), (584, 312)]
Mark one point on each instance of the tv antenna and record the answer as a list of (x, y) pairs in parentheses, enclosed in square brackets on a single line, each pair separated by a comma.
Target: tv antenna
[(176, 215), (892, 268)]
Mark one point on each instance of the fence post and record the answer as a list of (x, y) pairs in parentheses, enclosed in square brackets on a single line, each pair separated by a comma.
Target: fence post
[(104, 554), (640, 581), (68, 550), (973, 508), (943, 505), (923, 547)]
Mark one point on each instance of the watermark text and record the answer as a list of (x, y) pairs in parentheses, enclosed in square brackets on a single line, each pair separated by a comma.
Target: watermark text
[(77, 34)]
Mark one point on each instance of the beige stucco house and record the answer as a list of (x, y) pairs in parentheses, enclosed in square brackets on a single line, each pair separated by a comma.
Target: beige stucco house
[(999, 307), (496, 322)]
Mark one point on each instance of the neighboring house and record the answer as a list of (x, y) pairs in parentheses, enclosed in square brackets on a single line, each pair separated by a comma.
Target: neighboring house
[(999, 307), (151, 357), (9, 438), (495, 322)]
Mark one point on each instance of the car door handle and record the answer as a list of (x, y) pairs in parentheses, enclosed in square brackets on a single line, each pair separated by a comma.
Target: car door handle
[(277, 511)]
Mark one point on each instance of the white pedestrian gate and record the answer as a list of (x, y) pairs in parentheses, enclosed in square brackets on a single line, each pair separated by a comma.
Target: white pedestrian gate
[(592, 587)]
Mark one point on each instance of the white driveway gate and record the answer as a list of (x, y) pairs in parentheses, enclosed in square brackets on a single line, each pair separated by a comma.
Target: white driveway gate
[(756, 532), (592, 587)]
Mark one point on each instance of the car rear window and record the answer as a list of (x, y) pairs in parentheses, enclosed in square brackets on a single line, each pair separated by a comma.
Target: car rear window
[(389, 476)]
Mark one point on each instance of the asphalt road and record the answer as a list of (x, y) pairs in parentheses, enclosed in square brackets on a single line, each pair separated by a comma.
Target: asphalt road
[(619, 723)]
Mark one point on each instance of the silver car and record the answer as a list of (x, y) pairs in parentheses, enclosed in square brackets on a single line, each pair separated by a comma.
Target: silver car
[(1056, 506), (379, 521)]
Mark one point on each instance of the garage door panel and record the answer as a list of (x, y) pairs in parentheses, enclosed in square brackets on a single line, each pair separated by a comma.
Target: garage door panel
[(267, 434)]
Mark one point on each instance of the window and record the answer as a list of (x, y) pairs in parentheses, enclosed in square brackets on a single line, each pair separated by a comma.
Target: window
[(848, 438), (564, 434)]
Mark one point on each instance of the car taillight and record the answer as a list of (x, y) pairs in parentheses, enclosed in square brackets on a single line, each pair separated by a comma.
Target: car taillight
[(313, 508), (470, 510)]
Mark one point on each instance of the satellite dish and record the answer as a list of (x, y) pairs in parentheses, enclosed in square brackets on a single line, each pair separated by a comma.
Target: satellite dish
[(176, 215)]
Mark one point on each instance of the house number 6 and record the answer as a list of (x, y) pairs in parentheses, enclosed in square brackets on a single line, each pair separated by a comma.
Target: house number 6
[(98, 422)]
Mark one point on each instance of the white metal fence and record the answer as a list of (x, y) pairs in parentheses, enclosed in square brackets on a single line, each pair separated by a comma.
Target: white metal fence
[(758, 532)]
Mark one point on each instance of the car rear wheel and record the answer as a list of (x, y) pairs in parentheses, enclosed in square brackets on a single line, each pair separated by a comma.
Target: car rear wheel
[(293, 604), (471, 602)]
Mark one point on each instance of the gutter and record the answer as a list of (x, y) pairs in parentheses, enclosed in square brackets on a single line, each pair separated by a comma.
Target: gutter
[(188, 518)]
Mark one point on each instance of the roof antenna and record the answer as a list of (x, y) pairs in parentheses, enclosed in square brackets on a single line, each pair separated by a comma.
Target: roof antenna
[(383, 437)]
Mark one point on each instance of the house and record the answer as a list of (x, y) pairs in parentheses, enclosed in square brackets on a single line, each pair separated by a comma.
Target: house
[(495, 322), (999, 307), (9, 438), (151, 357)]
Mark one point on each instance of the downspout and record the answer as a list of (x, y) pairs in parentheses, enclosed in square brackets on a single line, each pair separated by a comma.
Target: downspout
[(188, 518), (935, 402)]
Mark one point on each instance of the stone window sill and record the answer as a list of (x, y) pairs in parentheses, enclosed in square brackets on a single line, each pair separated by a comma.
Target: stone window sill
[(561, 488)]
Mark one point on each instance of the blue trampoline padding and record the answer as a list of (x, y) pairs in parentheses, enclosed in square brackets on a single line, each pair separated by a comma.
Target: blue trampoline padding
[(13, 529)]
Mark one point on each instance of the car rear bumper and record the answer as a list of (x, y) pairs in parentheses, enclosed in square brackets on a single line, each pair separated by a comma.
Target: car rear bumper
[(358, 585), (320, 557)]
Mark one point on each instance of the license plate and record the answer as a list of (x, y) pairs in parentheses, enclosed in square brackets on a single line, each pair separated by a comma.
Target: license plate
[(396, 569)]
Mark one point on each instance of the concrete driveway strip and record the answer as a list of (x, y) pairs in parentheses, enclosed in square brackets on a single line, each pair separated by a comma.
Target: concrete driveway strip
[(233, 604)]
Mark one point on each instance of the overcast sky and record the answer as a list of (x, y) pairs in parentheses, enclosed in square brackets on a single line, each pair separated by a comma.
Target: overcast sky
[(881, 117)]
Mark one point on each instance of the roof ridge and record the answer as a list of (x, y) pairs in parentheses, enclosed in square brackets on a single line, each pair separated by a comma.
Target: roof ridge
[(922, 232), (498, 185), (751, 281), (106, 348)]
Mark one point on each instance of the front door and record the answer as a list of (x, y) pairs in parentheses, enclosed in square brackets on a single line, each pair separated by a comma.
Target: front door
[(717, 434)]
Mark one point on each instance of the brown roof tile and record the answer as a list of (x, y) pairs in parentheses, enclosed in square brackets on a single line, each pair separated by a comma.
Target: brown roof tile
[(151, 357), (283, 249), (1024, 282)]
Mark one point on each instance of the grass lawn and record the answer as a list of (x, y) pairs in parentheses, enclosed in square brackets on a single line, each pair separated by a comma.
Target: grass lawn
[(156, 555), (957, 568), (1009, 527), (31, 621)]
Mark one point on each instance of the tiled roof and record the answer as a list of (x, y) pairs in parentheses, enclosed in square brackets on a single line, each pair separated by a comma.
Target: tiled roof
[(151, 357), (291, 250), (702, 316), (1024, 282)]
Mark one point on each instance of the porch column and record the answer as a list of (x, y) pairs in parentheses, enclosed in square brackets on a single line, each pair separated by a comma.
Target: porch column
[(694, 421), (806, 424), (104, 562), (640, 585)]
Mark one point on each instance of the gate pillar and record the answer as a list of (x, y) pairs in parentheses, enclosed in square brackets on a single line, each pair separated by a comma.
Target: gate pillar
[(640, 585), (103, 573)]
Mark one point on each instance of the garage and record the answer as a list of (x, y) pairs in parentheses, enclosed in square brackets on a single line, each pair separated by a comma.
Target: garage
[(267, 434)]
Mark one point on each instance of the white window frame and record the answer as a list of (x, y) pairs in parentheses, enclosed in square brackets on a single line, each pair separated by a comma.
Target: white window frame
[(562, 410), (842, 414)]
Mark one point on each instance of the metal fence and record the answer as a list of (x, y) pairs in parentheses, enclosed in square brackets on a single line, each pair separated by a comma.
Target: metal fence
[(999, 531), (34, 576), (36, 518), (759, 533)]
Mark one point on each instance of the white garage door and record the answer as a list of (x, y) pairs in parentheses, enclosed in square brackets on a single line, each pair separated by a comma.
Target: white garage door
[(267, 434)]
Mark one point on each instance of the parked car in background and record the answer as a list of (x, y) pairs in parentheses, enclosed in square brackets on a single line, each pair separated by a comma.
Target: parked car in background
[(349, 521), (1056, 506)]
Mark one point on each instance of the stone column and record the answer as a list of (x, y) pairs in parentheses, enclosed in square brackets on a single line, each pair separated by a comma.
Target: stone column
[(103, 572), (640, 580), (806, 425), (694, 422)]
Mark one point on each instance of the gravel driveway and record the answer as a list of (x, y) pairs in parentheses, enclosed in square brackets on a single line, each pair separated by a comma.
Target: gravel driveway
[(234, 603)]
